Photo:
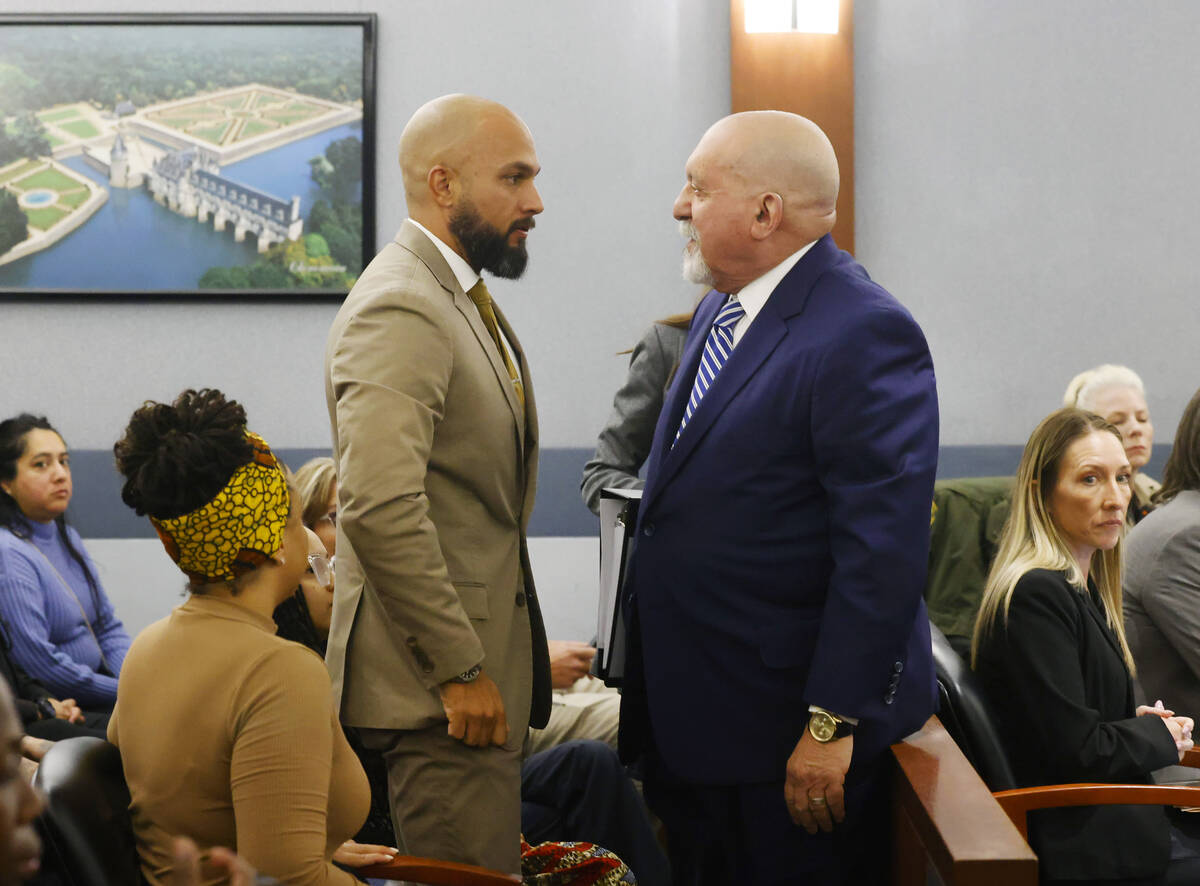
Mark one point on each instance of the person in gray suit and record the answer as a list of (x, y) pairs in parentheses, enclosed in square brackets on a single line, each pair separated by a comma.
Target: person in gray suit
[(624, 443), (1162, 578), (593, 709)]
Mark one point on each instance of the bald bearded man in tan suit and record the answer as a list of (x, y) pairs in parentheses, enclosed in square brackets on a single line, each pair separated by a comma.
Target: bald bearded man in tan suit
[(437, 650)]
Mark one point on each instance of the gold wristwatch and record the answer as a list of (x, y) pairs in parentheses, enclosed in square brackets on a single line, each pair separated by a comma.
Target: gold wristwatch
[(824, 726)]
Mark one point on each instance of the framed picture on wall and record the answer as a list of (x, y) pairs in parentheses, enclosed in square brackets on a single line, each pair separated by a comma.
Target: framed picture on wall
[(186, 155)]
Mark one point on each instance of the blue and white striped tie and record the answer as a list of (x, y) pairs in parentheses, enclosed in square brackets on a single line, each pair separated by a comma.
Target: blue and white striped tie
[(717, 349)]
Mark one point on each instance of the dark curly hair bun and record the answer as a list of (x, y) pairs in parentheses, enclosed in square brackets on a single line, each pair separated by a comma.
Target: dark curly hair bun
[(175, 458)]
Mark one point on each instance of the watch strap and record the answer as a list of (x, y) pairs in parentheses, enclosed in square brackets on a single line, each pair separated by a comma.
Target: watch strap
[(841, 728), (468, 676)]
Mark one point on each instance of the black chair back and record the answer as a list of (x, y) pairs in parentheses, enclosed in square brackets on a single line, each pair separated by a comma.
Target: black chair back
[(86, 827), (964, 712)]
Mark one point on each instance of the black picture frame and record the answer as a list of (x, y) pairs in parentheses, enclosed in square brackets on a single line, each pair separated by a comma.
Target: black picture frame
[(165, 131)]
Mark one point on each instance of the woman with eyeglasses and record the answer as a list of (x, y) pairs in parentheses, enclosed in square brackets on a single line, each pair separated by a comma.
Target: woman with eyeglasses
[(58, 623), (226, 731), (304, 618), (307, 612)]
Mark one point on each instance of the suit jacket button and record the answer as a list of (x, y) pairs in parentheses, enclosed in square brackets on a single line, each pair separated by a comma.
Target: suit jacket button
[(898, 667), (427, 667), (890, 696), (520, 598), (648, 530), (411, 641)]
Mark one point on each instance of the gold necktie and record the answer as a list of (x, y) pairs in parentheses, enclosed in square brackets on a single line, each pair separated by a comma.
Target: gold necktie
[(483, 301)]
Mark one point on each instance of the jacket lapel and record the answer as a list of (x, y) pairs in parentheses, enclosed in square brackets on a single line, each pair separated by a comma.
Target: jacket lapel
[(1095, 611), (678, 392), (763, 336), (412, 238), (526, 418), (761, 339), (467, 308)]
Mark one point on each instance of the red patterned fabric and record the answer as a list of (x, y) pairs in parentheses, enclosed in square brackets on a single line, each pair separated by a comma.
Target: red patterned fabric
[(572, 864)]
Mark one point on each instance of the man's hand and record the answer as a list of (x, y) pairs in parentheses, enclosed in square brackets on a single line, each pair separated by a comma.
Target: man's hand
[(187, 862), (66, 710), (813, 789), (568, 662), (358, 855), (475, 711)]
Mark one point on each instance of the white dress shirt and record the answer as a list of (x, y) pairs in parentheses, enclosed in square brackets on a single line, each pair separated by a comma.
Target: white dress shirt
[(755, 293), (463, 272)]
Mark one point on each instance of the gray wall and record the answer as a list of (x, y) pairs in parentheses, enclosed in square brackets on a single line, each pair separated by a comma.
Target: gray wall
[(1026, 183), (616, 94)]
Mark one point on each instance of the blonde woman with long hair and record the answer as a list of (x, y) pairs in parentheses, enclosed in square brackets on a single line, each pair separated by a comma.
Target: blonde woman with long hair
[(1050, 650)]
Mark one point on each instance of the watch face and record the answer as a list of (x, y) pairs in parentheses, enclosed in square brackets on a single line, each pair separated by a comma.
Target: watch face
[(822, 726)]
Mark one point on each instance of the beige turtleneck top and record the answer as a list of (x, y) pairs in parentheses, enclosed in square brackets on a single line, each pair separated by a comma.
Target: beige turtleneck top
[(228, 736)]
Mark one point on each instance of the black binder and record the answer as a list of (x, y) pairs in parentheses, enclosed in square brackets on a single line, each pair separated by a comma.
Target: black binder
[(618, 518)]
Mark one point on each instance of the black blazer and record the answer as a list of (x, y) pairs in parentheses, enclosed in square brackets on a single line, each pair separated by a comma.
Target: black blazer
[(1063, 701)]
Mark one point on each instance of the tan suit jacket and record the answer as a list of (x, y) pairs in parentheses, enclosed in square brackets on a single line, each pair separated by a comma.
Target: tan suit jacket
[(437, 465)]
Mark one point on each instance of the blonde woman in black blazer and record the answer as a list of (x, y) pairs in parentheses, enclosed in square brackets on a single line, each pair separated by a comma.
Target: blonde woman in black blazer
[(1051, 652)]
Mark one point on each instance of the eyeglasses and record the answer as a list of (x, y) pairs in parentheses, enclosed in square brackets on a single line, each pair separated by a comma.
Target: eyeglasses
[(322, 569), (330, 518)]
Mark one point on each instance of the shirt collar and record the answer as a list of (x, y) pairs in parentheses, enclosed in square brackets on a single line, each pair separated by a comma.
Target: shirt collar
[(463, 272), (755, 293)]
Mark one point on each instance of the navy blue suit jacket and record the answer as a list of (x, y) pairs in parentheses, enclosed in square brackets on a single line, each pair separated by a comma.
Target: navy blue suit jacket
[(782, 543)]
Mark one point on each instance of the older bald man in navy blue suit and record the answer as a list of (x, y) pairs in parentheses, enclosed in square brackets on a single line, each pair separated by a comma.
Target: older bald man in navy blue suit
[(779, 641)]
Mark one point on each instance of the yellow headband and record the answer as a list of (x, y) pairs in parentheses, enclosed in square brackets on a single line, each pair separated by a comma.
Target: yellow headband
[(237, 531)]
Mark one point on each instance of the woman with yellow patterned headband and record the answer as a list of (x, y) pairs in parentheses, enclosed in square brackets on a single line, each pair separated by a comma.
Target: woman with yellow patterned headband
[(226, 731)]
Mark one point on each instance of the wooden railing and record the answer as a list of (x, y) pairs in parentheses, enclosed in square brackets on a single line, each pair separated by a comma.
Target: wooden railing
[(944, 818)]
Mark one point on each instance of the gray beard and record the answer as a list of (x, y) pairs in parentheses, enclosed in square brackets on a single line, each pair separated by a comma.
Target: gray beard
[(695, 270)]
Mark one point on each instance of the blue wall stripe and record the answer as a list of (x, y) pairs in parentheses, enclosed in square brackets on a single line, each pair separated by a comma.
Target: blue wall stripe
[(98, 512)]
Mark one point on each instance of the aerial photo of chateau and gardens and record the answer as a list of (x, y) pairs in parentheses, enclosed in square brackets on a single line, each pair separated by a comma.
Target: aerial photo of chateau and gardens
[(180, 157)]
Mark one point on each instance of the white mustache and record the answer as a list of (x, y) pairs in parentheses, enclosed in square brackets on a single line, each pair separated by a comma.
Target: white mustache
[(687, 229)]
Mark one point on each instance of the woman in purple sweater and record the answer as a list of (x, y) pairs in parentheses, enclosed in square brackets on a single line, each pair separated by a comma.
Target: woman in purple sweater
[(58, 621)]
